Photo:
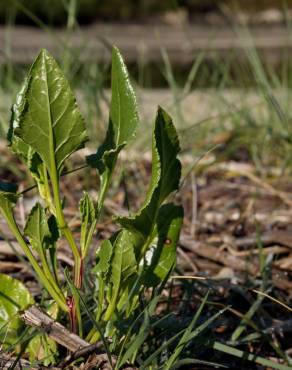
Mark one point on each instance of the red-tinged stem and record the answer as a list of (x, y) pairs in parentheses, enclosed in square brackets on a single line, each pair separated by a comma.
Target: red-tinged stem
[(72, 314)]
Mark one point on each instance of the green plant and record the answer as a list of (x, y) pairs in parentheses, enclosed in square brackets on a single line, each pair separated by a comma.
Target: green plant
[(46, 128)]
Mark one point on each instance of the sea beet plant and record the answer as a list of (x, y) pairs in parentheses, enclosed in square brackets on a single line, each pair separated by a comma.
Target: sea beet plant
[(46, 128)]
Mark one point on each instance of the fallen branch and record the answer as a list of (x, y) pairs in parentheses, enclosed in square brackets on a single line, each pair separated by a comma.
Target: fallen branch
[(33, 316)]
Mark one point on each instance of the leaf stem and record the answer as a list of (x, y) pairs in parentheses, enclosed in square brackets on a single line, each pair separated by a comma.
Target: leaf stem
[(47, 270), (47, 195), (63, 225), (69, 236)]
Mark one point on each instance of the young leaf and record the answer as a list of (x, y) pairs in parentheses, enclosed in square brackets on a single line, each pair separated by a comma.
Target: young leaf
[(14, 297), (123, 121), (37, 228), (123, 108), (103, 255), (88, 216), (101, 269), (123, 265), (166, 170), (50, 123), (169, 222)]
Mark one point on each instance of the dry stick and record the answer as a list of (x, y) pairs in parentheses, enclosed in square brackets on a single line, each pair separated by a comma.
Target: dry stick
[(33, 316), (85, 351)]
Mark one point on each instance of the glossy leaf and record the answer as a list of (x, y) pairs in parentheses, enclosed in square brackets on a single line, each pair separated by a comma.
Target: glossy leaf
[(169, 222), (123, 108), (26, 153), (166, 170), (123, 121), (50, 123), (14, 297), (17, 145), (153, 221)]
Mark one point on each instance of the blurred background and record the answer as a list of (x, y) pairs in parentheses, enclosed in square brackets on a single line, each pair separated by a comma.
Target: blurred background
[(55, 12), (221, 67)]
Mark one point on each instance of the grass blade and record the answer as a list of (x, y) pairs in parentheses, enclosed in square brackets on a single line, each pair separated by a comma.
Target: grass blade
[(249, 356), (185, 338)]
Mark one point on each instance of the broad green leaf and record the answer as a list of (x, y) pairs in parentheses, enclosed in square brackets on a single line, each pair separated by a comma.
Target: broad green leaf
[(26, 153), (44, 349), (103, 257), (17, 145), (166, 170), (51, 123), (123, 265), (88, 216), (123, 108), (123, 121), (169, 222), (37, 228), (14, 297)]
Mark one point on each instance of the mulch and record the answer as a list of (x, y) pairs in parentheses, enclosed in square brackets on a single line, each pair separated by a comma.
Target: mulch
[(237, 229)]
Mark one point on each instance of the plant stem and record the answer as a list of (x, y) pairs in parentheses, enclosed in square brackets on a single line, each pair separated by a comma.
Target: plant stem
[(53, 289), (47, 270), (47, 196), (62, 223), (78, 270)]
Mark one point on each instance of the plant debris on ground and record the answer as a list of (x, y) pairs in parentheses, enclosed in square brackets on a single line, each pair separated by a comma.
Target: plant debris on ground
[(235, 243)]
